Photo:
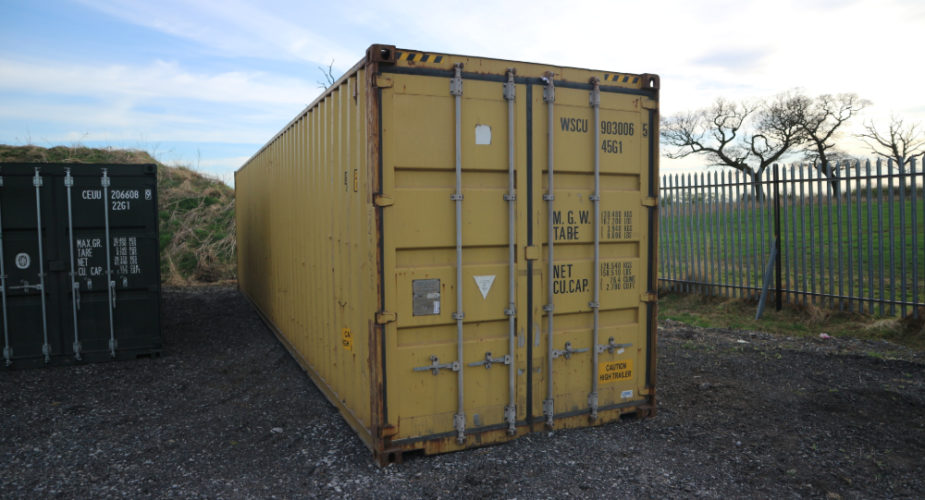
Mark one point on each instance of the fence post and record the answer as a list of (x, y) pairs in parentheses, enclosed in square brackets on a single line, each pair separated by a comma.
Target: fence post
[(777, 267)]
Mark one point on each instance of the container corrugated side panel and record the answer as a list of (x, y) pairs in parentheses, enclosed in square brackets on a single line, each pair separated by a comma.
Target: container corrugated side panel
[(308, 245)]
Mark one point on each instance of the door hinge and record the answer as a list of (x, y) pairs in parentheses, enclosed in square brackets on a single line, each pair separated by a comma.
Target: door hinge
[(532, 252), (649, 104), (383, 82), (383, 201), (388, 431), (648, 297), (385, 317), (649, 202)]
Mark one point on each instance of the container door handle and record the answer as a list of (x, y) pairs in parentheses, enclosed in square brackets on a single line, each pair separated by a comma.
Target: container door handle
[(435, 366), (611, 346), (488, 361), (568, 351)]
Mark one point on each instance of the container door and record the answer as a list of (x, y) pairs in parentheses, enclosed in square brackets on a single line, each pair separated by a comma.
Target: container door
[(455, 356), (114, 286), (474, 287), (58, 300), (597, 211), (24, 221)]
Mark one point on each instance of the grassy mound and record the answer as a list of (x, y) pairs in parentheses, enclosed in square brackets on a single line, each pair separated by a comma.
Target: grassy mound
[(196, 227), (195, 212)]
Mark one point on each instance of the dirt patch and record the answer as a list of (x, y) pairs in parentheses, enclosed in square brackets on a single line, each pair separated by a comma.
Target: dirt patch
[(225, 412)]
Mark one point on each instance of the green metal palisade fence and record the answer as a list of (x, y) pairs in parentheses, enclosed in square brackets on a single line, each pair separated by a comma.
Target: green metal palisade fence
[(850, 234)]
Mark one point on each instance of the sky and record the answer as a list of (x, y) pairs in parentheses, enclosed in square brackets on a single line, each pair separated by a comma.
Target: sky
[(205, 83)]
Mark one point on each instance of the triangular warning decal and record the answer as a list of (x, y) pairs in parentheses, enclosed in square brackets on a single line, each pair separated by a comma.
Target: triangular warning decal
[(484, 283)]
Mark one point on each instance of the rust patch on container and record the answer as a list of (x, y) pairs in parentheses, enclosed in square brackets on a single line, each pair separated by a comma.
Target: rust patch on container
[(374, 171), (380, 53), (375, 377)]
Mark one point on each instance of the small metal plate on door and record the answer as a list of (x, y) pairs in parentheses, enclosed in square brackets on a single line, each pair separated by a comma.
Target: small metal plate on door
[(425, 298), (23, 260)]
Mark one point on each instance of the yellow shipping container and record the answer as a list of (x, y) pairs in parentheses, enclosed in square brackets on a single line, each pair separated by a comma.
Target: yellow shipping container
[(461, 250)]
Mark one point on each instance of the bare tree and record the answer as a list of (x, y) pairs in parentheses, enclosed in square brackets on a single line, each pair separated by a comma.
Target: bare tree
[(748, 137), (328, 75), (898, 142), (779, 128), (823, 117), (712, 132)]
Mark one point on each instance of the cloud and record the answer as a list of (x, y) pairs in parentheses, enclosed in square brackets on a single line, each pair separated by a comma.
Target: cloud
[(714, 42), (702, 50), (235, 28), (736, 59), (49, 121), (236, 161), (156, 80), (223, 168), (162, 101)]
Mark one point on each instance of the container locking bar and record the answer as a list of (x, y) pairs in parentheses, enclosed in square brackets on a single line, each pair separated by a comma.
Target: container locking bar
[(459, 420), (595, 305), (549, 97), (435, 366), (7, 350), (111, 284), (510, 411), (37, 182), (75, 287)]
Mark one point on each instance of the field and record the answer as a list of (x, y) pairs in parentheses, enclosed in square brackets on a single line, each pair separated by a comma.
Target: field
[(794, 319)]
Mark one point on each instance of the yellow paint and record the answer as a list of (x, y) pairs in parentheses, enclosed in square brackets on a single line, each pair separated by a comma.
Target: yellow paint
[(306, 241), (317, 257)]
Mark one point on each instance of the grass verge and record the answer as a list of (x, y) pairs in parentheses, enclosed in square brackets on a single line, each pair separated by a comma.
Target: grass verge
[(794, 320)]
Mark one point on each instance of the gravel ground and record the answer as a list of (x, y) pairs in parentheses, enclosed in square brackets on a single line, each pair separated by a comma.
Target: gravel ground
[(226, 413)]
